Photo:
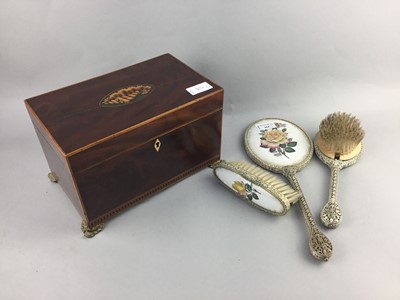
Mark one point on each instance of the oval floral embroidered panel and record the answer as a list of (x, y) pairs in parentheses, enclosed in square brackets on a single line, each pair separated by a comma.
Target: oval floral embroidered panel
[(277, 142), (249, 191)]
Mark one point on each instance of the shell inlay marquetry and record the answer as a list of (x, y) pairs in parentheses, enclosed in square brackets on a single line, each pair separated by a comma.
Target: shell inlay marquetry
[(126, 95)]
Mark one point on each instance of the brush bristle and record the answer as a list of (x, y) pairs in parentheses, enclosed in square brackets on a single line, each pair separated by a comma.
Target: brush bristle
[(286, 190), (341, 132)]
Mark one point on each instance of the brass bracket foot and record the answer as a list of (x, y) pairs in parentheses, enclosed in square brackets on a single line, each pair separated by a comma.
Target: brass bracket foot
[(91, 231), (53, 177)]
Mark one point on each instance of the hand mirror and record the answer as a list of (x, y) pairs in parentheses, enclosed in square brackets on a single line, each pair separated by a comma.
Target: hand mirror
[(283, 147)]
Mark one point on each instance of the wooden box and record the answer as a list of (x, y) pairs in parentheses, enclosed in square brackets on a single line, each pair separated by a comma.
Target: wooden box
[(114, 140)]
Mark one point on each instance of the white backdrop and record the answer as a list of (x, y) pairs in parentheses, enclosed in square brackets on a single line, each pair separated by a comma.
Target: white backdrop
[(297, 60)]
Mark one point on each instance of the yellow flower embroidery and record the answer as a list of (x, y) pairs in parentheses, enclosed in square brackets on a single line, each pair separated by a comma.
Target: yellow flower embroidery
[(277, 141), (245, 190), (239, 187), (273, 138)]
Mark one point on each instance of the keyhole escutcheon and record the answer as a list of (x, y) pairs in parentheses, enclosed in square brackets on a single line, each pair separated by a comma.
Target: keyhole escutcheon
[(157, 145)]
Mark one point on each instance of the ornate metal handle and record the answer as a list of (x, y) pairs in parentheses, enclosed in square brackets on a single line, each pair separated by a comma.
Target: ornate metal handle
[(320, 246), (331, 214)]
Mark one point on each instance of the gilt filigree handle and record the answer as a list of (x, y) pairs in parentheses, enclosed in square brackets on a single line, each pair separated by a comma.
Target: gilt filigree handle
[(331, 214), (320, 246)]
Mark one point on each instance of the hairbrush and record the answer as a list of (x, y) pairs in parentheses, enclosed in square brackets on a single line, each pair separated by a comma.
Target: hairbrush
[(257, 186), (338, 144)]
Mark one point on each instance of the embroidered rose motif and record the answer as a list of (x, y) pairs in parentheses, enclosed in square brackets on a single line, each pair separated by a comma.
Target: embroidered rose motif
[(273, 138), (245, 190), (239, 187), (277, 141)]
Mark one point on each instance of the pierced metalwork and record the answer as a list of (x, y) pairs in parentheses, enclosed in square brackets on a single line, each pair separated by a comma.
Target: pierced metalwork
[(320, 246), (331, 214)]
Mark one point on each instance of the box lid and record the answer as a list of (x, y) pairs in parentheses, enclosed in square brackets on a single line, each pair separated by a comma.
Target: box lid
[(87, 113)]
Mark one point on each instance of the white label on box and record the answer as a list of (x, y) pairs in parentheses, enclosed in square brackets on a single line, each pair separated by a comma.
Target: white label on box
[(199, 88)]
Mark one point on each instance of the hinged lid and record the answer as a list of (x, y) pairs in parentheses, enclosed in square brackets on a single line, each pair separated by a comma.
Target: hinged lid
[(86, 113)]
